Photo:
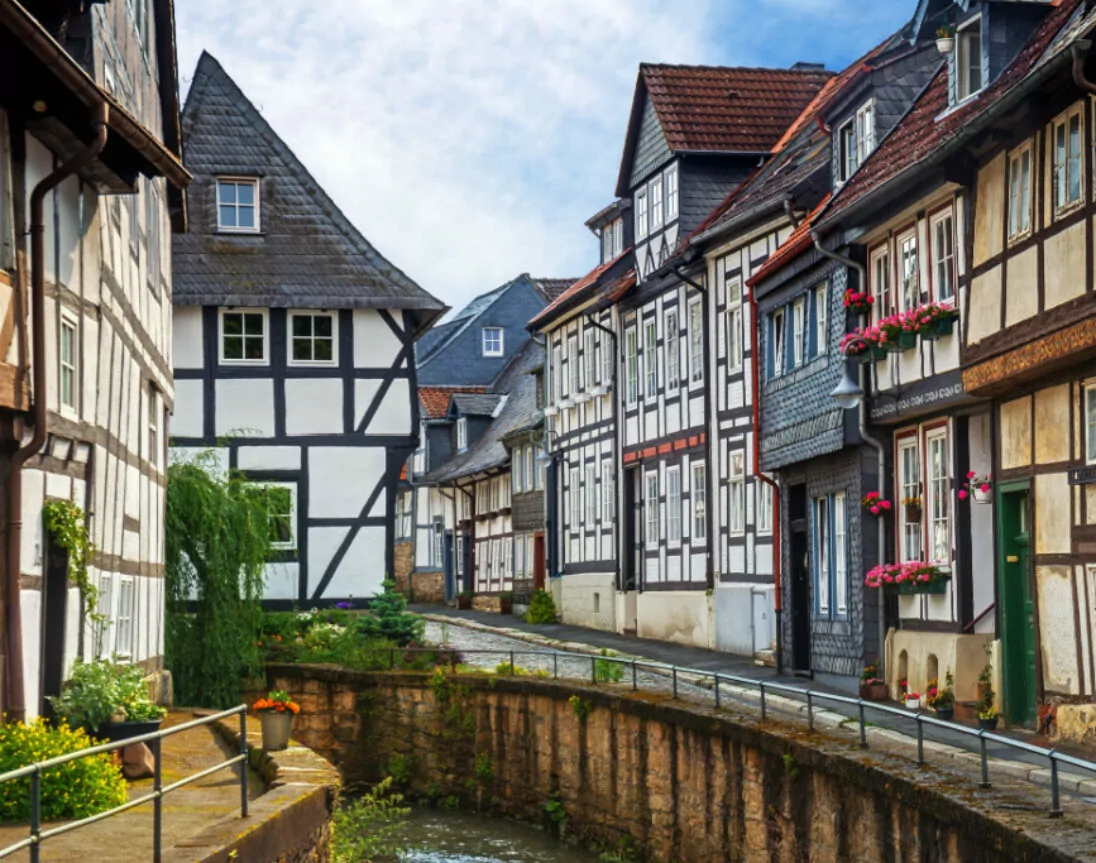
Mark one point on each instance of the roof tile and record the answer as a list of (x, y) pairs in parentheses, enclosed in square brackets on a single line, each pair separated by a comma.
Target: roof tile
[(435, 400)]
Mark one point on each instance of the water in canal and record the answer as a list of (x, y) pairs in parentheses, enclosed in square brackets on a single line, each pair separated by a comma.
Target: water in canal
[(461, 837)]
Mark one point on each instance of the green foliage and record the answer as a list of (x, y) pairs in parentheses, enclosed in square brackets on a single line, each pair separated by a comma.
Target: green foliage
[(581, 707), (388, 618), (97, 690), (451, 802), (987, 698), (364, 829), (606, 670), (218, 533), (541, 608), (401, 768), (485, 768), (556, 813), (67, 525), (627, 851), (77, 789)]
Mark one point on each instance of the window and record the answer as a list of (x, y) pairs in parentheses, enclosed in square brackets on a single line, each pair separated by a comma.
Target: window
[(462, 433), (764, 507), (575, 514), (778, 342), (734, 323), (123, 632), (492, 341), (519, 557), (673, 505), (574, 378), (238, 205), (1019, 193), (555, 377), (696, 341), (822, 553), (656, 203), (641, 214), (608, 372), (909, 478), (132, 204), (968, 59), (939, 495), (281, 502), (881, 282), (606, 244), (589, 358), (942, 231), (846, 142), (698, 492), (738, 493), (840, 552), (439, 544), (651, 508), (618, 237), (608, 500), (153, 227), (673, 351), (530, 468), (403, 516), (631, 364), (591, 495), (68, 362), (1067, 160), (153, 427), (243, 337), (821, 321), (865, 132), (650, 359), (1090, 423), (671, 193), (910, 293), (798, 309), (106, 588), (312, 338)]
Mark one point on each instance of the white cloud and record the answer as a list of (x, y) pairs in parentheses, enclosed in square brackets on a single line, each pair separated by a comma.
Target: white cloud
[(468, 141)]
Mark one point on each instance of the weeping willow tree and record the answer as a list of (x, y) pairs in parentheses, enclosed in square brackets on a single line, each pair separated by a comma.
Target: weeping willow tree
[(218, 535)]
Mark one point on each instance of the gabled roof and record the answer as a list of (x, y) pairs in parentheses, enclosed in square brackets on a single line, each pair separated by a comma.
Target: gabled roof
[(718, 109), (552, 288), (926, 135), (435, 400), (576, 291), (308, 254), (475, 404)]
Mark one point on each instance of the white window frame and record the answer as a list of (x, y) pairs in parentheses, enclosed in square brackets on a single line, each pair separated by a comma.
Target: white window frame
[(631, 364), (698, 499), (608, 361), (154, 236), (291, 487), (820, 297), (673, 506), (735, 338), (590, 495), (654, 189), (652, 510), (555, 377), (799, 331), (764, 521), (312, 339), (943, 264), (670, 181), (105, 606), (574, 516), (672, 337), (641, 213), (846, 150), (650, 358), (821, 547), (608, 498), (780, 348), (68, 365), (910, 533), (1090, 421), (908, 240), (462, 433), (530, 468), (963, 85), (1060, 187), (264, 315), (489, 348), (865, 131), (153, 426), (881, 277), (696, 342), (237, 182), (937, 495), (736, 521), (589, 358), (840, 554), (574, 373), (1019, 192), (618, 237), (124, 619)]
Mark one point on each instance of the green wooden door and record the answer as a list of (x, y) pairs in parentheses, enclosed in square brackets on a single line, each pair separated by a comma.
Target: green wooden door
[(1017, 597)]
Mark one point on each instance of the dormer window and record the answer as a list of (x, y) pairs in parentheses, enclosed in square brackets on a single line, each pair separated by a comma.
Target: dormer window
[(968, 59), (641, 214), (618, 237), (462, 434), (238, 204), (856, 140), (671, 193), (612, 240), (656, 203), (492, 341)]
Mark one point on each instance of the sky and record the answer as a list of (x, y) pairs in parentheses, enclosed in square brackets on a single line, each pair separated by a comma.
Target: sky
[(469, 140)]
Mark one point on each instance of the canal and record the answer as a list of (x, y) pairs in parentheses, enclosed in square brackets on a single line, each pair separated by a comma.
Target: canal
[(461, 837)]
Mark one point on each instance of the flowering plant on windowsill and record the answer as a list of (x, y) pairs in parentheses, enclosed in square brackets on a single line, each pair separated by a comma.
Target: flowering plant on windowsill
[(856, 343), (875, 503), (858, 302), (977, 486), (897, 574)]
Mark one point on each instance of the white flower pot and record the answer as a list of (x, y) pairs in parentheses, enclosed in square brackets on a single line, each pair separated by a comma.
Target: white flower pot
[(914, 704), (982, 496), (276, 729), (945, 46)]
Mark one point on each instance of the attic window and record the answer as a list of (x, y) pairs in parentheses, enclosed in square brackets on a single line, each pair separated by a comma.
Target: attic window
[(462, 434), (968, 59), (492, 341), (237, 204)]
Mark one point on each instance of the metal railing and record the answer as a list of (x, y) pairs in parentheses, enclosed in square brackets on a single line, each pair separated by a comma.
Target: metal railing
[(34, 771), (810, 696)]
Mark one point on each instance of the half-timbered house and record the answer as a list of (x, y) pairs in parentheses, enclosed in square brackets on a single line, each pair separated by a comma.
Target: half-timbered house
[(294, 348), (91, 187)]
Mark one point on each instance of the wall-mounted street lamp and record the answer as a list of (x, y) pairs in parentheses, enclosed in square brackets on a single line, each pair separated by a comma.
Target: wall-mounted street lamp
[(848, 392)]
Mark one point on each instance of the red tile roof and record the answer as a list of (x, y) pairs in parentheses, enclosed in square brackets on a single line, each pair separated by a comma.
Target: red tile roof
[(919, 134), (796, 244), (435, 400), (728, 110), (576, 289)]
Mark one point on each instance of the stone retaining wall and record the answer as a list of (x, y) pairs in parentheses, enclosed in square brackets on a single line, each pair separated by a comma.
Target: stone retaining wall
[(686, 783)]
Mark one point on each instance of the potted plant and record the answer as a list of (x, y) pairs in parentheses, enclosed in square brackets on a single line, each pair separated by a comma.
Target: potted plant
[(988, 714), (935, 320), (942, 700), (978, 487), (464, 600), (875, 503), (872, 686), (945, 39), (917, 577), (276, 713), (506, 602), (858, 346), (913, 701), (109, 700), (889, 331), (913, 508), (858, 303)]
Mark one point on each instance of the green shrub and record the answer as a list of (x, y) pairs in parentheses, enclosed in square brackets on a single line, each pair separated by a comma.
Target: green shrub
[(365, 828), (541, 608), (77, 789), (98, 690), (606, 670)]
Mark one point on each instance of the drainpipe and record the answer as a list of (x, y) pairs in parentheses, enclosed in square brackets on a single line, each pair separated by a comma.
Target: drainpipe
[(470, 573), (709, 468), (619, 455), (865, 384), (1080, 50), (15, 704)]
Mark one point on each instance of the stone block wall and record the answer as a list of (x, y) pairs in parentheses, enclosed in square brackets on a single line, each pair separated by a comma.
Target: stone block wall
[(404, 554)]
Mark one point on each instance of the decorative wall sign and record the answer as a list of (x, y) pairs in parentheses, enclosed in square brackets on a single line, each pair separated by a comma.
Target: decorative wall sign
[(1082, 475), (922, 397)]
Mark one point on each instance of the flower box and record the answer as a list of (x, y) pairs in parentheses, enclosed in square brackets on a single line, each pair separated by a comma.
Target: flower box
[(913, 703), (907, 340), (878, 354), (113, 732), (873, 691), (938, 329), (936, 587)]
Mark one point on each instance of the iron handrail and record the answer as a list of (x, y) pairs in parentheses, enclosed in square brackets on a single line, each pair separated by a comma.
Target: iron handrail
[(811, 695), (155, 738)]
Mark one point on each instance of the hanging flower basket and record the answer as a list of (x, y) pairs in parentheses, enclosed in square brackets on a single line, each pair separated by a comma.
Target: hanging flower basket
[(934, 320), (913, 508), (946, 45), (878, 354), (875, 503), (858, 303), (978, 487)]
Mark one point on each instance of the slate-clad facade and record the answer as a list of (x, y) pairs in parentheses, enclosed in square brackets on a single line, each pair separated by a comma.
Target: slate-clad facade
[(294, 348)]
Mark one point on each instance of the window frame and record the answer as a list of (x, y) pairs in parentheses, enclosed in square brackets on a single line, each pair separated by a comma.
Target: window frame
[(933, 433), (237, 181), (698, 500), (631, 364), (671, 193), (650, 358), (655, 203), (944, 214), (821, 543), (641, 213), (1060, 173), (652, 510), (799, 331), (779, 332), (1017, 203), (292, 544), (574, 373), (608, 498), (696, 341), (68, 323), (865, 131), (263, 314), (764, 499), (907, 440), (487, 333), (963, 88), (153, 237), (736, 493), (846, 150), (291, 338), (841, 554), (608, 359), (462, 434), (736, 348), (879, 260), (820, 295), (672, 342), (1089, 398), (589, 358), (153, 425), (590, 498), (674, 506), (124, 623), (900, 241)]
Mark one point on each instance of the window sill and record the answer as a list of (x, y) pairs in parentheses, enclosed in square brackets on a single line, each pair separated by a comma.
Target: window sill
[(582, 398), (242, 232), (244, 363), (551, 411)]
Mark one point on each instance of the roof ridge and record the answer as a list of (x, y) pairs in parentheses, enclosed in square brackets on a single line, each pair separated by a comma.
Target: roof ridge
[(500, 291), (712, 68)]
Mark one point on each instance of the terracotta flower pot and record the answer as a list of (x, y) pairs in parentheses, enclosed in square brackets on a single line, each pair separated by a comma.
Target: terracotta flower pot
[(276, 728)]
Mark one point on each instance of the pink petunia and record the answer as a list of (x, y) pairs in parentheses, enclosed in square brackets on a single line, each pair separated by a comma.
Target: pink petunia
[(985, 487), (875, 510), (962, 494), (886, 504), (971, 474)]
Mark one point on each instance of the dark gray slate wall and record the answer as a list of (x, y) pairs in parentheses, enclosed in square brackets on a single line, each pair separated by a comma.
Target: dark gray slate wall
[(439, 445), (527, 513), (705, 183), (652, 150)]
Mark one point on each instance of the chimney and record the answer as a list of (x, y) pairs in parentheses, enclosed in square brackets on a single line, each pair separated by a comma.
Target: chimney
[(808, 67)]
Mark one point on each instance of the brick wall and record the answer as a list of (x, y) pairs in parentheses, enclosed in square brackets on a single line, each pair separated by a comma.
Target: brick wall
[(428, 587)]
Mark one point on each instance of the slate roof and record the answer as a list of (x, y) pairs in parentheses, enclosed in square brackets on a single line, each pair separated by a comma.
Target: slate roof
[(307, 255), (475, 404), (797, 243), (435, 400), (575, 291), (924, 133), (552, 288)]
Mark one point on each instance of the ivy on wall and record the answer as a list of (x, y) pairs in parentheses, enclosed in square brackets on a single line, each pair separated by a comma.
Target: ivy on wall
[(67, 524)]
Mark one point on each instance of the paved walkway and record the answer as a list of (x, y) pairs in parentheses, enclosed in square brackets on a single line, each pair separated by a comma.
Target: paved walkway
[(186, 812), (488, 631)]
